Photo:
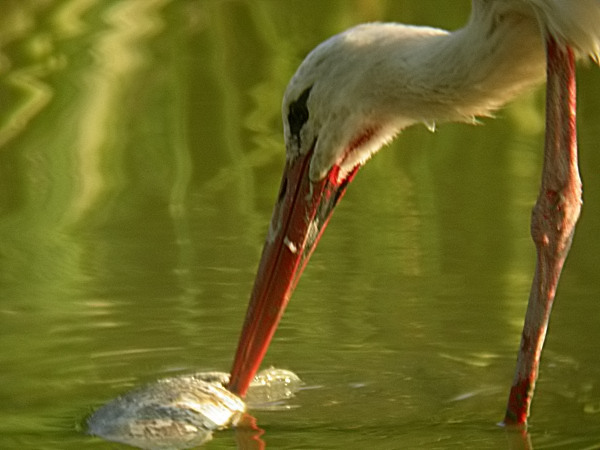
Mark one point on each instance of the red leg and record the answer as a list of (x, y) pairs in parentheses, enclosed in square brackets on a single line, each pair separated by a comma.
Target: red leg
[(553, 222)]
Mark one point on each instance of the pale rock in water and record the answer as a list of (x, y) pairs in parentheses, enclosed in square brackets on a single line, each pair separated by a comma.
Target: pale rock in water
[(182, 412)]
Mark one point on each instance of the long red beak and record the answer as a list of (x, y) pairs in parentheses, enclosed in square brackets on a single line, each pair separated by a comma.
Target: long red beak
[(301, 213)]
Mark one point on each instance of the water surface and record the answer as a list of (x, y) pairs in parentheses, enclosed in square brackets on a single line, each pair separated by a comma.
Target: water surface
[(140, 156)]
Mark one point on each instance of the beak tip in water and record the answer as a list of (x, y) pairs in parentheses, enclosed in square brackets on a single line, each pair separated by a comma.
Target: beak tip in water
[(300, 215)]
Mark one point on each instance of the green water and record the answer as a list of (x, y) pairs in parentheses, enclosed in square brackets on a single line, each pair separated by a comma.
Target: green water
[(140, 155)]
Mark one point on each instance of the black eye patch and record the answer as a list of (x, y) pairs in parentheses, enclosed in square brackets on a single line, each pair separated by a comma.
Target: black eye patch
[(298, 114)]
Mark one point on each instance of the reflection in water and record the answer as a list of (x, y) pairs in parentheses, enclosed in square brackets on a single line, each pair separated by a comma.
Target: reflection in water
[(35, 96), (24, 85), (248, 435), (120, 57), (138, 166)]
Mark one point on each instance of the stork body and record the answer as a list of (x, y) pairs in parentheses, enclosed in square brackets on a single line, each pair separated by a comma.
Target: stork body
[(357, 90)]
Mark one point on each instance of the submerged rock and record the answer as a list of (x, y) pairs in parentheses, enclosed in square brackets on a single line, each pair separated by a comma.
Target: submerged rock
[(182, 412), (270, 387)]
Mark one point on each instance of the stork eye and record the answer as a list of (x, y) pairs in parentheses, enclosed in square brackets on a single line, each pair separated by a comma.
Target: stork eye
[(298, 114)]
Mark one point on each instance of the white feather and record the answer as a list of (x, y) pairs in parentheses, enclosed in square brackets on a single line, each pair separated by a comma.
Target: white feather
[(373, 80), (572, 22)]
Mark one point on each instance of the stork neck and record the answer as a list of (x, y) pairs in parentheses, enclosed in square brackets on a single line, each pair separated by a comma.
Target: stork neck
[(476, 69)]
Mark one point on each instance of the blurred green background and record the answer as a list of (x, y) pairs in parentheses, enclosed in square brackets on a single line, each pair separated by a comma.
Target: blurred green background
[(140, 156)]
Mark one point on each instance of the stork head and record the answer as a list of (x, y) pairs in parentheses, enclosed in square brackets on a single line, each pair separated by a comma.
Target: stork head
[(335, 115), (342, 104)]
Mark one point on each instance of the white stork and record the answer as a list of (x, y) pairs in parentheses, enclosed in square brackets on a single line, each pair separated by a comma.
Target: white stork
[(359, 89)]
